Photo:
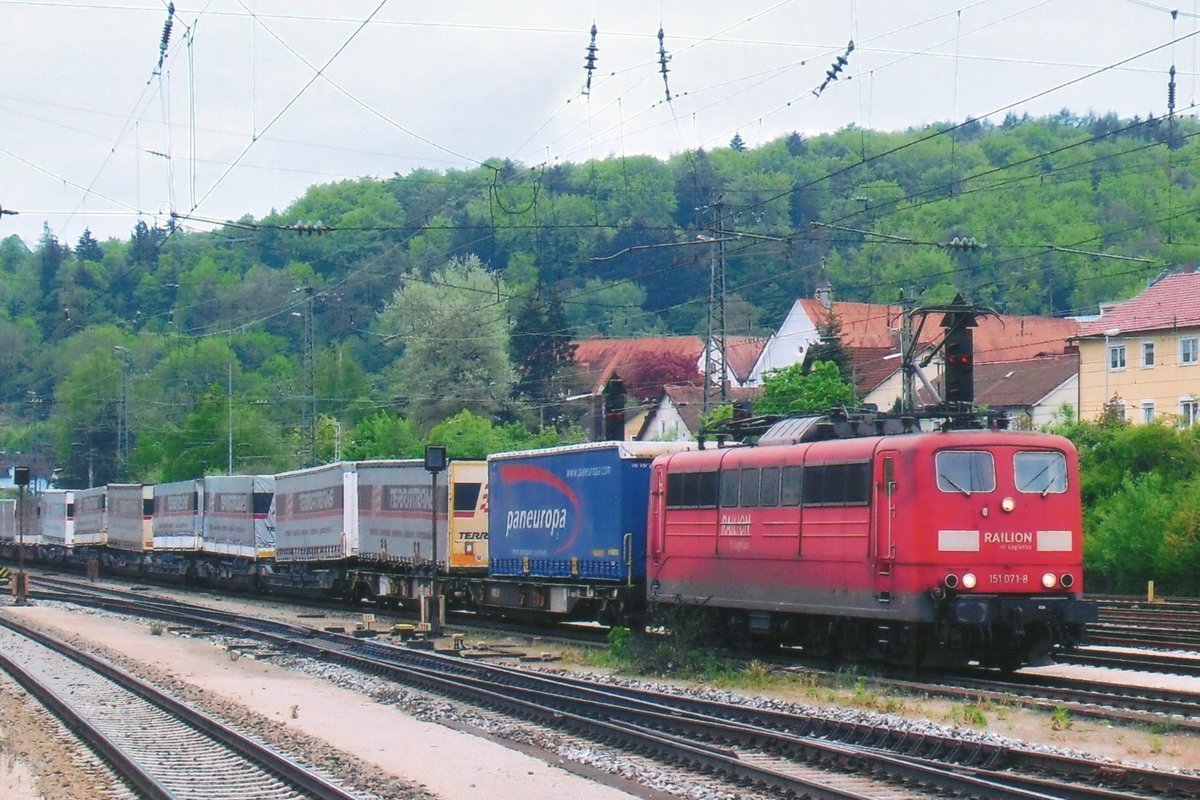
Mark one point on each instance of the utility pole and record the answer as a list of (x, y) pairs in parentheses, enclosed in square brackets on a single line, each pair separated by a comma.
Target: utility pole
[(308, 391), (229, 409), (908, 364), (123, 421), (714, 346), (35, 403)]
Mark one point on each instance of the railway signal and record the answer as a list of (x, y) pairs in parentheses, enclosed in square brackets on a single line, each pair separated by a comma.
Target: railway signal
[(960, 355), (21, 590)]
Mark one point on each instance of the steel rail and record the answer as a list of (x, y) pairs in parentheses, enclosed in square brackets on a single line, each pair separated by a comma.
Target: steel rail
[(285, 768), (125, 768)]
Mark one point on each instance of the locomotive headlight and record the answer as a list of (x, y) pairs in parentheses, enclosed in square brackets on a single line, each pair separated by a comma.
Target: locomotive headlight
[(969, 580), (1049, 580), (951, 581), (1008, 504), (1067, 580)]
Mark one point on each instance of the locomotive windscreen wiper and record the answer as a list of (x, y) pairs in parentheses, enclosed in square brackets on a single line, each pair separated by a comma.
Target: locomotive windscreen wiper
[(951, 481), (1029, 483)]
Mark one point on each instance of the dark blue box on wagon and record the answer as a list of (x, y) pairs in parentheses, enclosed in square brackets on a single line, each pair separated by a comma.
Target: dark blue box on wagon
[(571, 512)]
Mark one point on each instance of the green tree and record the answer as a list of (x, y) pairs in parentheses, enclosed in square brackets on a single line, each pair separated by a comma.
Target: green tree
[(200, 446), (454, 336), (792, 391), (383, 435), (467, 435), (88, 249), (830, 348), (541, 347)]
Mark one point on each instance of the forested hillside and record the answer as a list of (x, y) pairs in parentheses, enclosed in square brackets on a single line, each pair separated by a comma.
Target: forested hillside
[(430, 293)]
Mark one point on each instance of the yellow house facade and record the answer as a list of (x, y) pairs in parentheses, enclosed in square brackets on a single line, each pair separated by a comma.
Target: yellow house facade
[(1142, 357)]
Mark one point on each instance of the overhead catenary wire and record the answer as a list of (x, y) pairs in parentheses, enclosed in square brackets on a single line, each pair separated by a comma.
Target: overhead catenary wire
[(316, 75)]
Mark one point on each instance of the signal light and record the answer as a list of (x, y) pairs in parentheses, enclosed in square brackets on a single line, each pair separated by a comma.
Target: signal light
[(959, 359)]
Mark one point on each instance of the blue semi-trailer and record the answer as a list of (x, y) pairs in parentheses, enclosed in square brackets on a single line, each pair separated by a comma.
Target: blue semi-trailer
[(567, 528)]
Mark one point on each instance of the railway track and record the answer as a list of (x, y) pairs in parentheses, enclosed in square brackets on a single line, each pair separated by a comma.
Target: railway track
[(1081, 697), (811, 756), (1170, 624), (1085, 698), (160, 747)]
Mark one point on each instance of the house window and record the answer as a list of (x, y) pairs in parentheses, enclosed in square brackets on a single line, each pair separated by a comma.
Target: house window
[(1189, 350), (1189, 411), (1116, 357), (1147, 354), (1148, 411)]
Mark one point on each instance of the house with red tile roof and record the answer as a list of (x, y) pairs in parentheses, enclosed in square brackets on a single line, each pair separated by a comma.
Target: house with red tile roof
[(1142, 356), (645, 365), (871, 333), (598, 359)]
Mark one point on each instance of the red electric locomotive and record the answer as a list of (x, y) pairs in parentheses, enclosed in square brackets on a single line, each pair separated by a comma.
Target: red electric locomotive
[(935, 549)]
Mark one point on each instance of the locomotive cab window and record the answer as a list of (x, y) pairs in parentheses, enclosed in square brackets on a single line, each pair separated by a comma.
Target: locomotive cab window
[(1040, 472), (965, 471)]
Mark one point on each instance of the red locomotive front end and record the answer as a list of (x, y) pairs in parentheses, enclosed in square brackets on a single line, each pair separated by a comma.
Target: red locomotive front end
[(921, 548), (989, 527)]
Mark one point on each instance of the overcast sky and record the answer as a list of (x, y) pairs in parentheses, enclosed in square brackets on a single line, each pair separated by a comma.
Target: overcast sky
[(238, 121)]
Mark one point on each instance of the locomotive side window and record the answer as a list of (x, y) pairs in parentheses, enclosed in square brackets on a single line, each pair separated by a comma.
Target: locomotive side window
[(750, 479), (837, 484), (729, 488), (770, 487), (692, 490), (675, 490), (966, 471), (790, 492), (1040, 472)]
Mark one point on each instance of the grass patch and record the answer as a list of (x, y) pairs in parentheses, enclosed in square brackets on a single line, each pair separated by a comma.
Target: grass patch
[(678, 643), (1060, 718), (968, 714), (1164, 726)]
